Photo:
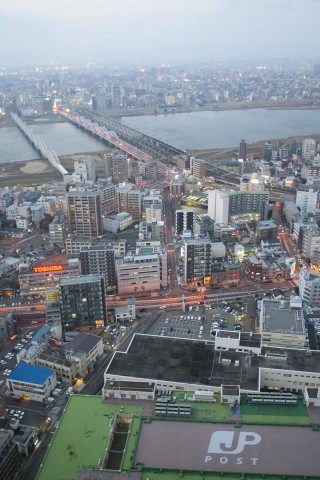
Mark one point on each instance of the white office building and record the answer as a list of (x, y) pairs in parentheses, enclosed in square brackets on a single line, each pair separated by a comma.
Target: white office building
[(218, 206), (307, 200), (309, 287), (117, 223)]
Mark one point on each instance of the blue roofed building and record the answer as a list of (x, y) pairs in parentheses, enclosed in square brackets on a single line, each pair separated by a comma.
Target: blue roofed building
[(42, 335), (31, 382)]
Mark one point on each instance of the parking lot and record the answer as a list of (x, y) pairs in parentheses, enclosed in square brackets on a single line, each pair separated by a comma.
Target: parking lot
[(198, 323)]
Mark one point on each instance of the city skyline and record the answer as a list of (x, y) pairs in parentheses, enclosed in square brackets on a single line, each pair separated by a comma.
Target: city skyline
[(143, 32)]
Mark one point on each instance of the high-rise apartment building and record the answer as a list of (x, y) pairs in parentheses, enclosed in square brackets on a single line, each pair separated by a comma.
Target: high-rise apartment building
[(308, 148), (197, 260), (129, 200), (198, 167), (184, 220), (237, 207), (268, 151), (118, 167), (82, 302), (243, 150), (84, 209), (99, 259)]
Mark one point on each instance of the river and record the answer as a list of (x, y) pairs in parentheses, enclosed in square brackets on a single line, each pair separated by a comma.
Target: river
[(64, 138), (195, 130), (219, 129)]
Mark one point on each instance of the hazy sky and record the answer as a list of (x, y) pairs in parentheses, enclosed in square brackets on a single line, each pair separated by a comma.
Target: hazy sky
[(157, 31)]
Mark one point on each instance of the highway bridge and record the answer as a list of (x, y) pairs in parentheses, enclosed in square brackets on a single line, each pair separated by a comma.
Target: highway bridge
[(39, 145), (152, 146)]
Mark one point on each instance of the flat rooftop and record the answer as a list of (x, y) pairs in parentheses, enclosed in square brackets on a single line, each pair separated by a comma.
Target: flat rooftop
[(183, 361), (80, 279), (281, 319), (82, 437), (196, 362)]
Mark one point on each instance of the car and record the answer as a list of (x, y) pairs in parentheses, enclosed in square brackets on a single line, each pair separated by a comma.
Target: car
[(7, 372), (24, 340)]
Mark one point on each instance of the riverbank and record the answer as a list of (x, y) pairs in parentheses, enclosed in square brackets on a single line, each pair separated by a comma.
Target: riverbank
[(270, 105), (216, 154), (41, 171)]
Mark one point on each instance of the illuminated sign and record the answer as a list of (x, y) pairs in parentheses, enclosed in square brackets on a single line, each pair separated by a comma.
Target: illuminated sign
[(48, 268)]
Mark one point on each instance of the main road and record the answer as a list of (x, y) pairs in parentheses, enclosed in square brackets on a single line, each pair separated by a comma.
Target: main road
[(175, 299)]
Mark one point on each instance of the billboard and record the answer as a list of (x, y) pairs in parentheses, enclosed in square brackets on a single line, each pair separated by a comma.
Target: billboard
[(47, 268)]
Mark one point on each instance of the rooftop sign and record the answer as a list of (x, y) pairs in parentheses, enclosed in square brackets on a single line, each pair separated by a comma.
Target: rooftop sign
[(47, 268)]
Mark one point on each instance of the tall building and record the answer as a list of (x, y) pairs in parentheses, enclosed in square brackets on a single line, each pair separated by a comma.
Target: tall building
[(129, 200), (308, 148), (237, 207), (118, 167), (307, 200), (85, 169), (268, 151), (138, 273), (309, 287), (116, 96), (198, 167), (218, 206), (243, 150), (145, 270), (184, 220), (84, 209), (99, 259), (82, 302), (197, 260), (152, 170)]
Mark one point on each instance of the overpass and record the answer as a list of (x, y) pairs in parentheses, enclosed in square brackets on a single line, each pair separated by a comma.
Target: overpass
[(152, 146), (102, 133), (39, 145)]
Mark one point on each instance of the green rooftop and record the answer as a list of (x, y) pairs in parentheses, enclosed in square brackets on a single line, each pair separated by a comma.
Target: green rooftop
[(82, 437)]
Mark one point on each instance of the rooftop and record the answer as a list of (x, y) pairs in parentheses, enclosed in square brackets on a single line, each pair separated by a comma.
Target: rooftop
[(82, 437), (84, 342), (197, 362), (278, 317), (44, 330), (24, 372), (80, 279)]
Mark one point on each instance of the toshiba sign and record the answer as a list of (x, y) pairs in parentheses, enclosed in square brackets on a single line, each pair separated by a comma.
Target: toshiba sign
[(47, 268)]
